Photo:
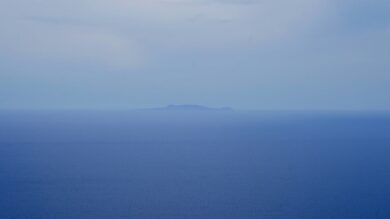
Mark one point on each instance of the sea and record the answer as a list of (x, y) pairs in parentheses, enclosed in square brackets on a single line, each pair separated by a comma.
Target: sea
[(102, 164)]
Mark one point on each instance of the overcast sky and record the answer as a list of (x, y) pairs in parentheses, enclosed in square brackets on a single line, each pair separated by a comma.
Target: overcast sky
[(247, 54)]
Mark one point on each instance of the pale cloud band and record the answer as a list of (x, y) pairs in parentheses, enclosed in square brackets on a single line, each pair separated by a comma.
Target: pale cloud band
[(121, 33), (272, 54)]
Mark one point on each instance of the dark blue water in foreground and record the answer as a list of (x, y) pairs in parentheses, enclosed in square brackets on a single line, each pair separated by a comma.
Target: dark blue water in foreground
[(92, 165)]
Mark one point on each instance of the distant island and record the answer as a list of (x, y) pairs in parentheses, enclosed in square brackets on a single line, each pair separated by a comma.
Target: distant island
[(191, 107)]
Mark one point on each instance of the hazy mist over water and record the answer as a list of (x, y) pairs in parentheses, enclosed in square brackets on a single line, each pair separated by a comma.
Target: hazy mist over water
[(136, 164), (61, 160)]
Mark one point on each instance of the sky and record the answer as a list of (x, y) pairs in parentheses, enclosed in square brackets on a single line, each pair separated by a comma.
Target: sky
[(246, 54)]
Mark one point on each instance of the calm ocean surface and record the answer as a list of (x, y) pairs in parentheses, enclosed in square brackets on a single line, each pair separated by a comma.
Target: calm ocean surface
[(92, 165)]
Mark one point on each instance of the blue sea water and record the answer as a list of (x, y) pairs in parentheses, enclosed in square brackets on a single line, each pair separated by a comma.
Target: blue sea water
[(96, 164)]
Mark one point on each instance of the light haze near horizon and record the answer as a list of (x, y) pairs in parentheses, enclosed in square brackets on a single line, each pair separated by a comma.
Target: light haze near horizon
[(117, 54)]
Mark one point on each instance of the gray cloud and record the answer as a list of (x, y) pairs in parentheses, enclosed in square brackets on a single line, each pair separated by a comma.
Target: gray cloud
[(253, 54)]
